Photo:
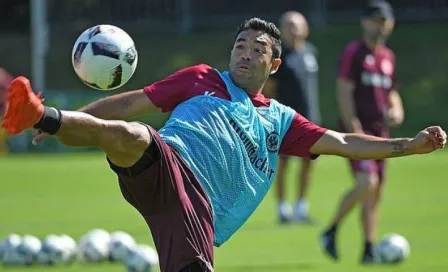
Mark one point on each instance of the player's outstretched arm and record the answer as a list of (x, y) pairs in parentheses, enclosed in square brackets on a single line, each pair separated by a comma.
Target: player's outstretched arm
[(120, 106), (360, 146), (115, 107)]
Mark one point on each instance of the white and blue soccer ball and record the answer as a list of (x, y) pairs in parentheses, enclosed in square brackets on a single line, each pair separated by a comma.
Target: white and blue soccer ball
[(70, 248), (17, 250), (104, 57), (11, 241), (121, 243), (28, 249), (392, 249), (8, 250), (94, 246), (142, 258), (57, 249)]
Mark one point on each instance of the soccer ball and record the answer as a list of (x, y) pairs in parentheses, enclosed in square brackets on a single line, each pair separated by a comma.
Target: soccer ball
[(120, 245), (8, 250), (104, 57), (392, 249), (57, 250), (94, 246), (11, 241), (70, 247), (142, 258), (16, 250), (28, 249)]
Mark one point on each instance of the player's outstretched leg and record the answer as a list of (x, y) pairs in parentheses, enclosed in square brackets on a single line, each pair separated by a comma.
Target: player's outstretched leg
[(124, 143)]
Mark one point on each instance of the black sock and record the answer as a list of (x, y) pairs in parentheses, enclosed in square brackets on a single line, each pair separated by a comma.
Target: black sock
[(51, 121), (368, 248), (332, 230)]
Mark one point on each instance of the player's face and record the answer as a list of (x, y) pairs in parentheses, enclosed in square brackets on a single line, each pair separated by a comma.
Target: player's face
[(378, 27), (294, 27), (251, 60)]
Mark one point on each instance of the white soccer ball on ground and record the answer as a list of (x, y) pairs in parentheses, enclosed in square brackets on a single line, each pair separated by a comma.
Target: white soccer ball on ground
[(7, 242), (104, 57), (142, 258), (28, 249), (121, 243), (94, 246), (392, 249), (8, 250), (53, 251), (57, 249), (70, 247)]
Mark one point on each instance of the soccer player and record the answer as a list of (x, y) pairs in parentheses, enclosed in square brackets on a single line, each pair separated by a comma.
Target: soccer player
[(5, 80), (369, 103), (296, 84), (199, 178)]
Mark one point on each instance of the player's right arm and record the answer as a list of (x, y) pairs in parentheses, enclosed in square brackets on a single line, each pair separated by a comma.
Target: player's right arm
[(121, 106), (345, 89), (114, 107), (163, 95)]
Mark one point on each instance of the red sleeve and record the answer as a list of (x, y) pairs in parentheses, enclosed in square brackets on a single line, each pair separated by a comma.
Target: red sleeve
[(301, 136), (166, 94), (346, 65)]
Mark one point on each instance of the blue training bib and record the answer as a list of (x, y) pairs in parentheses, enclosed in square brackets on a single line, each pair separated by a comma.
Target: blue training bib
[(232, 148)]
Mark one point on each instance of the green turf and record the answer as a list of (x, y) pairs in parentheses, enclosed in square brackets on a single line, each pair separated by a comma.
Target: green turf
[(44, 194)]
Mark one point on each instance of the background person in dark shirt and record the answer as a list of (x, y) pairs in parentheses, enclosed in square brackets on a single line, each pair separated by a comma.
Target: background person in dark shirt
[(296, 85)]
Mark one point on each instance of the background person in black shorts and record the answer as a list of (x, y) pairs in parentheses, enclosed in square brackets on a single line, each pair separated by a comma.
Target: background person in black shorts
[(296, 85)]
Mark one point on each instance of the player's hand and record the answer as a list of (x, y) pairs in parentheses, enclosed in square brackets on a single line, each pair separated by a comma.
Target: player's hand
[(38, 136), (429, 140)]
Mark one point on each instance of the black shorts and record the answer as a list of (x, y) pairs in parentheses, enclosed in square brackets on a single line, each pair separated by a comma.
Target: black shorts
[(168, 195)]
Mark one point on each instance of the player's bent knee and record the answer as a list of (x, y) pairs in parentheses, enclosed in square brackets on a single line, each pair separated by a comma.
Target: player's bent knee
[(125, 143)]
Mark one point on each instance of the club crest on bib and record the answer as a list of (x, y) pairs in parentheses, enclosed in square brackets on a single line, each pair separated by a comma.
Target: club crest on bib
[(273, 142)]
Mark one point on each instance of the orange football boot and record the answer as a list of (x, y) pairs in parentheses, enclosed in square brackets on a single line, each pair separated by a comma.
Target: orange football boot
[(24, 108)]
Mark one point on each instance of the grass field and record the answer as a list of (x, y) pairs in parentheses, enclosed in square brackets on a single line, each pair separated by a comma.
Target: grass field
[(72, 193)]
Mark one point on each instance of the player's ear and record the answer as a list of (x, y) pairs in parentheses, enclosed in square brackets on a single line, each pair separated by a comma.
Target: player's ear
[(275, 65)]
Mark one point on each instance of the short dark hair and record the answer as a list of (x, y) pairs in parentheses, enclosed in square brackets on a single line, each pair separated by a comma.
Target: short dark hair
[(269, 28)]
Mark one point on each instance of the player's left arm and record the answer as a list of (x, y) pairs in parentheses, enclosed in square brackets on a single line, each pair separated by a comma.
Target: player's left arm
[(395, 111), (360, 146)]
